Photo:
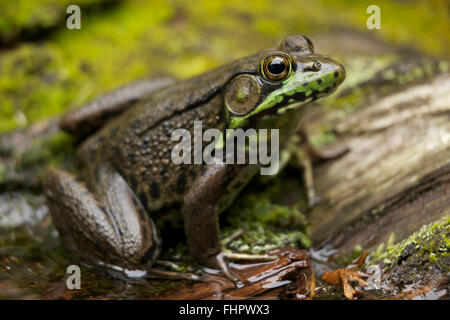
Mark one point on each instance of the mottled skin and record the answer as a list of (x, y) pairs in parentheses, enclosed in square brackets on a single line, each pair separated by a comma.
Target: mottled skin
[(126, 175)]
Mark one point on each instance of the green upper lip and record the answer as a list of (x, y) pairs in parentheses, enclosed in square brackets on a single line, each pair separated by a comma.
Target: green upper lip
[(298, 97)]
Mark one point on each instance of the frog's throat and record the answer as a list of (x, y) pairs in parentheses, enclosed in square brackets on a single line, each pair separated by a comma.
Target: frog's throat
[(294, 93)]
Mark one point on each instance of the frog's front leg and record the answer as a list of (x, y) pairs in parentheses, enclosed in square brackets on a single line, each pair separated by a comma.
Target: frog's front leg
[(201, 210), (306, 155), (105, 223)]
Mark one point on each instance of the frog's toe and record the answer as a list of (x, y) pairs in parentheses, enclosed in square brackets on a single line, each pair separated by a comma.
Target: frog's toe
[(244, 257), (223, 258), (154, 273), (224, 267)]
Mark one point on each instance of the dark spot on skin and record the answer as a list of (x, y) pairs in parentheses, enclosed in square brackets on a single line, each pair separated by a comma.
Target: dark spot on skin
[(164, 174), (97, 247), (319, 81), (154, 190), (231, 172), (144, 200), (181, 182), (136, 125), (131, 157), (117, 150), (146, 141), (336, 74), (304, 84), (193, 174), (299, 95)]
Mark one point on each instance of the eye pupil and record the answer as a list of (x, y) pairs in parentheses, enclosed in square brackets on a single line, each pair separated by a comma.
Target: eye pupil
[(276, 66)]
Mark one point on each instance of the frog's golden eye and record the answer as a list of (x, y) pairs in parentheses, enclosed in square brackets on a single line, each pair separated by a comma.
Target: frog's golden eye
[(276, 67)]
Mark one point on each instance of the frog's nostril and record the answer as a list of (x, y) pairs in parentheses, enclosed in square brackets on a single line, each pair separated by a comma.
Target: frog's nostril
[(315, 66)]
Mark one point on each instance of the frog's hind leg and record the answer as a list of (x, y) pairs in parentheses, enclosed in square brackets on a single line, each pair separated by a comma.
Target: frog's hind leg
[(109, 224), (95, 113)]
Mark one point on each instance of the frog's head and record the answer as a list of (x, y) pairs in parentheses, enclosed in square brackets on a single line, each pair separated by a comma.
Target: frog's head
[(285, 79)]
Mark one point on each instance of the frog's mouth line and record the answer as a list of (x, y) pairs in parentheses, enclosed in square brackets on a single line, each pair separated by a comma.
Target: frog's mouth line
[(292, 102)]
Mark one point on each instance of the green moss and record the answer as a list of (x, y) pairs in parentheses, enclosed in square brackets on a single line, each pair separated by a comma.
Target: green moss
[(423, 241), (402, 23), (255, 208), (24, 169), (259, 239), (266, 225), (51, 151), (350, 257), (2, 173), (23, 15)]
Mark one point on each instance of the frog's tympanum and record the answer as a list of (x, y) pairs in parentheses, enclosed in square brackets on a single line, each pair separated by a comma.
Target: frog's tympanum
[(127, 180)]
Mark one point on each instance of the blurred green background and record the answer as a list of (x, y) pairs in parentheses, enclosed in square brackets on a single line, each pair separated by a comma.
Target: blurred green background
[(46, 68)]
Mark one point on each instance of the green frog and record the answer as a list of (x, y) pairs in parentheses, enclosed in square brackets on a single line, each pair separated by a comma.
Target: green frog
[(127, 180)]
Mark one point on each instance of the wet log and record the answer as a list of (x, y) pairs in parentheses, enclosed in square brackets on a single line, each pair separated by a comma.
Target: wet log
[(395, 179)]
